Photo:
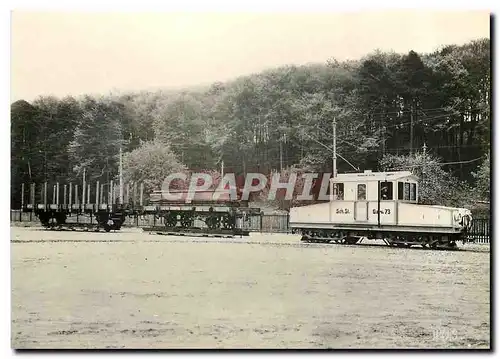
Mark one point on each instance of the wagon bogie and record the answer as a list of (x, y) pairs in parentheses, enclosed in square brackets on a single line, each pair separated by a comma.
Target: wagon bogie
[(187, 219), (403, 240), (170, 219)]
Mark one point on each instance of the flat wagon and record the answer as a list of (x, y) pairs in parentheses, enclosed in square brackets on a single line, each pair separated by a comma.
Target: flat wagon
[(82, 205)]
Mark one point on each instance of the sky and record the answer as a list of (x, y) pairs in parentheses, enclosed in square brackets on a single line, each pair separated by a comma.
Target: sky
[(74, 53)]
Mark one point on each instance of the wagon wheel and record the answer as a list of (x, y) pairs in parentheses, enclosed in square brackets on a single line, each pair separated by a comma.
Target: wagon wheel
[(426, 241), (215, 222), (187, 219), (170, 219), (60, 219), (53, 222), (218, 221), (228, 222), (211, 220), (351, 240), (389, 239), (110, 223), (432, 242), (44, 221)]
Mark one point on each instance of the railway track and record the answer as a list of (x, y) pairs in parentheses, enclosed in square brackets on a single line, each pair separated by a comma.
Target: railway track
[(198, 232)]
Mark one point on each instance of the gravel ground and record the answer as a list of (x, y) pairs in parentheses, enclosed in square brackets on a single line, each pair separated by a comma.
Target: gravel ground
[(135, 290)]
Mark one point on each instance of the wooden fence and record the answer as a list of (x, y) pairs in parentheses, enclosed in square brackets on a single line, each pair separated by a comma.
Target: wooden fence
[(268, 223), (480, 231)]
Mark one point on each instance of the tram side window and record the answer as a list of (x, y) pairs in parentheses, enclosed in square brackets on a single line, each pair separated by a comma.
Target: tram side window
[(400, 190), (361, 192), (413, 192), (386, 191), (405, 191), (339, 191)]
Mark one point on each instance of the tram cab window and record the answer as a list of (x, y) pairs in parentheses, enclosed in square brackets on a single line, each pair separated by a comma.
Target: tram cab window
[(386, 191), (361, 192), (338, 191), (407, 191)]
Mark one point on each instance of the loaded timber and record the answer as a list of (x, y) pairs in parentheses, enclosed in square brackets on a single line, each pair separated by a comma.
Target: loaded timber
[(214, 211)]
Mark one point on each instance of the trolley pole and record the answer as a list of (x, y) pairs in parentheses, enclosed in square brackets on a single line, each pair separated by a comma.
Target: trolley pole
[(121, 177), (334, 148), (281, 154), (411, 130), (333, 188), (83, 189)]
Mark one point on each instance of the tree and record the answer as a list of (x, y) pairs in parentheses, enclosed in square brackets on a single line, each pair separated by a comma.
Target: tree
[(150, 164), (483, 180), (461, 82), (23, 146), (276, 119), (56, 120), (139, 108), (97, 140), (181, 121), (41, 133), (436, 186)]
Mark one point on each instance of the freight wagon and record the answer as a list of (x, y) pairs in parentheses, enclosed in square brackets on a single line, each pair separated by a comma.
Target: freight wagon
[(56, 207)]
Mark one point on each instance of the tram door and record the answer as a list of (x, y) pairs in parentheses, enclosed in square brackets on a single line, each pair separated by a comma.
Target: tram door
[(361, 204)]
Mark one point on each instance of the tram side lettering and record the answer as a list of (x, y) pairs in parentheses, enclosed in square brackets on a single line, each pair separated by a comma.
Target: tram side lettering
[(382, 211), (342, 211)]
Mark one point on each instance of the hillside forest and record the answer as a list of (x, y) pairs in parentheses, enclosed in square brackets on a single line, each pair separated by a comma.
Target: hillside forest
[(424, 112)]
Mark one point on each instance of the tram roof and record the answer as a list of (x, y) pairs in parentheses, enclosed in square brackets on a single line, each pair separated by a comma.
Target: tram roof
[(369, 176)]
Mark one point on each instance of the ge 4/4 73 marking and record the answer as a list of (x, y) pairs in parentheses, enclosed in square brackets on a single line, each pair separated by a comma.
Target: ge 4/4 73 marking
[(382, 211)]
